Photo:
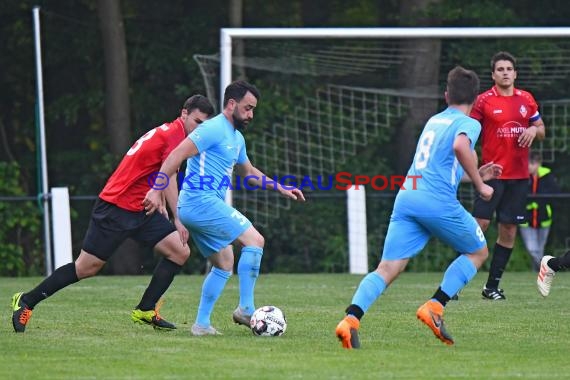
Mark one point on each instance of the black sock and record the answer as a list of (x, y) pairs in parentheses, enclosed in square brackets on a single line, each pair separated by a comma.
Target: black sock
[(161, 279), (441, 297), (59, 279), (559, 263), (501, 256), (355, 310)]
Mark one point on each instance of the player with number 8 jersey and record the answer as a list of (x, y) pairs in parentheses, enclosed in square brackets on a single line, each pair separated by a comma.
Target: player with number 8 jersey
[(434, 201), (445, 151)]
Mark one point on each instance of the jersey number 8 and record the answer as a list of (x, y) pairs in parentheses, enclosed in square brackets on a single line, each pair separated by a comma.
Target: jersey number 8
[(424, 146)]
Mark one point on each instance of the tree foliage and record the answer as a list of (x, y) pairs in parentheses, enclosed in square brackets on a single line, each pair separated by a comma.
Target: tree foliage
[(20, 228), (161, 40)]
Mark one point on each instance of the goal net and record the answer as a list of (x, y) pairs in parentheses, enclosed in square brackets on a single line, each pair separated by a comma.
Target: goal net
[(354, 101)]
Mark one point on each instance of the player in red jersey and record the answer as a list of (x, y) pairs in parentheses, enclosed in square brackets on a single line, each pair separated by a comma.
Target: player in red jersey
[(510, 122), (119, 214)]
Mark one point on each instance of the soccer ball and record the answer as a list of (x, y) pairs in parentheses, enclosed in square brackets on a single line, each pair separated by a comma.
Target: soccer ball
[(268, 321)]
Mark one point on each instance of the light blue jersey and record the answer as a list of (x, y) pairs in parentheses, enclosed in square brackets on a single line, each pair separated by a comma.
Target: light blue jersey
[(201, 204), (436, 163), (209, 174), (431, 208)]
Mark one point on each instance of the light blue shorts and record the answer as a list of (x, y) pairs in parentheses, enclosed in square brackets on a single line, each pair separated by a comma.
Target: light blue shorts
[(408, 234), (213, 224)]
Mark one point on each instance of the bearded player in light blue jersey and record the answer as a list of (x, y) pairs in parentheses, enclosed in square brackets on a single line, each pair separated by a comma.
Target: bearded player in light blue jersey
[(212, 150), (445, 151)]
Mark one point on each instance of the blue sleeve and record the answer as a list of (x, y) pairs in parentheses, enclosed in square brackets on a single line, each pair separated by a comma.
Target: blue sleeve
[(469, 127), (207, 135), (242, 154)]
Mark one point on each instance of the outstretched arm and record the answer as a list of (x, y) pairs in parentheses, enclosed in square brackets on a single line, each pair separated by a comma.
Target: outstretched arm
[(256, 177), (183, 151), (487, 172), (468, 160), (171, 195)]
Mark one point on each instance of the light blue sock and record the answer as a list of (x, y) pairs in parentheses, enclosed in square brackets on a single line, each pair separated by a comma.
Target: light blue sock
[(211, 289), (248, 271), (370, 288), (457, 275)]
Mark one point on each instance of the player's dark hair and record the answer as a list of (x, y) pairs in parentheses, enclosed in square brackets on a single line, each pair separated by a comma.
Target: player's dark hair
[(237, 90), (199, 102), (462, 86), (503, 56)]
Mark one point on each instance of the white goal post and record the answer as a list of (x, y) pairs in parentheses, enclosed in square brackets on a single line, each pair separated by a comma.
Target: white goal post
[(228, 34), (357, 247)]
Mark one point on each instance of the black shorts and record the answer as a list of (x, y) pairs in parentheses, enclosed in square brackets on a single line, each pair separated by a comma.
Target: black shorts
[(508, 201), (111, 225)]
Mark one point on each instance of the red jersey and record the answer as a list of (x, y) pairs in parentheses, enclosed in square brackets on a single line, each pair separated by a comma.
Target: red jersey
[(503, 119), (129, 184)]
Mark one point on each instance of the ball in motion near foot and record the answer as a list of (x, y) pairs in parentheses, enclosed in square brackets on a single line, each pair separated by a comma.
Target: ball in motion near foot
[(268, 321)]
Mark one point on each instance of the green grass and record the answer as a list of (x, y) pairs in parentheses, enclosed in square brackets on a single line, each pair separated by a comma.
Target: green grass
[(85, 332)]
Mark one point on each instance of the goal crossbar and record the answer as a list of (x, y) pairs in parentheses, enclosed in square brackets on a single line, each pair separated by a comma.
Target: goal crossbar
[(355, 199), (228, 34)]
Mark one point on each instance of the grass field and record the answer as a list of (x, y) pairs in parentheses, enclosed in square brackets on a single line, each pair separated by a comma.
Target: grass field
[(85, 332)]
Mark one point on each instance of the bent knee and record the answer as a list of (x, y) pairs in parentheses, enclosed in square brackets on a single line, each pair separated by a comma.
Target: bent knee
[(223, 259), (259, 240), (179, 255), (479, 257), (252, 238), (226, 265), (483, 254), (184, 252), (389, 270), (508, 232), (483, 223), (84, 271)]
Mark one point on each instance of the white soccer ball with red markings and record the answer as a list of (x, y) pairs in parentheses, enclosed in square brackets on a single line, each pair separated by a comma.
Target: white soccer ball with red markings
[(268, 321)]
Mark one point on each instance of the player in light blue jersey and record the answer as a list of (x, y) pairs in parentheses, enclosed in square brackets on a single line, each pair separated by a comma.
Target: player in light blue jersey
[(208, 174), (445, 151), (212, 151)]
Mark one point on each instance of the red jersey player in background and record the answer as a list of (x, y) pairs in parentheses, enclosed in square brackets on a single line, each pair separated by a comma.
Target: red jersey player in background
[(119, 214), (510, 122)]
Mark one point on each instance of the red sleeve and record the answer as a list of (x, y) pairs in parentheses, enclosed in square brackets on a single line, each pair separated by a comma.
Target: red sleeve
[(173, 138), (477, 110), (532, 103)]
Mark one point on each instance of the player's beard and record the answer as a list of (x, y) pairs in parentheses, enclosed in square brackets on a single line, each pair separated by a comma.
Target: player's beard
[(239, 123)]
